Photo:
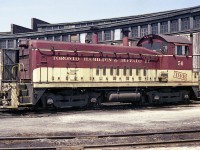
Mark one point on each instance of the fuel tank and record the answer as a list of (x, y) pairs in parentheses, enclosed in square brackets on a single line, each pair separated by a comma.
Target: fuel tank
[(124, 97)]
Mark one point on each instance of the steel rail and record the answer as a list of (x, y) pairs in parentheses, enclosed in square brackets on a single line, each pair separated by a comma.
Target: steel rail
[(143, 144), (31, 148), (97, 136), (108, 145)]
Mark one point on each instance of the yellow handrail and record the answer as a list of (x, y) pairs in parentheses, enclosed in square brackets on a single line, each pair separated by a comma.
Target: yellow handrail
[(19, 68)]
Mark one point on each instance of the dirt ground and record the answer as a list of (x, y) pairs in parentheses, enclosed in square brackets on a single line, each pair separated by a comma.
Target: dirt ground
[(110, 121)]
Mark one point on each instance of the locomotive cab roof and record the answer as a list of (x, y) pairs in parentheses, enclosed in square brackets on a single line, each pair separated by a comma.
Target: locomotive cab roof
[(165, 38), (161, 43)]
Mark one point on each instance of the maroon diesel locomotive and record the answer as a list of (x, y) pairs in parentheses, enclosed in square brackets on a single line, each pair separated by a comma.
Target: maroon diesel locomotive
[(63, 74)]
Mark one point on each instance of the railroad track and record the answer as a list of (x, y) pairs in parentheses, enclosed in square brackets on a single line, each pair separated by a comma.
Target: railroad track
[(108, 107), (22, 140)]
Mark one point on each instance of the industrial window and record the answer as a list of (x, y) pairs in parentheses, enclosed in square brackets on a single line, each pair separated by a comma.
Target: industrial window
[(43, 28), (57, 38), (10, 43), (49, 28), (104, 70), (117, 34), (144, 30), (196, 21), (90, 24), (99, 36), (117, 71), (111, 70), (124, 71), (185, 24), (74, 38), (134, 32), (164, 27), (58, 27), (41, 38), (77, 25), (61, 27), (65, 38), (174, 26), (83, 25), (97, 71), (107, 35), (88, 38), (2, 44), (154, 28), (50, 38), (55, 27), (181, 50)]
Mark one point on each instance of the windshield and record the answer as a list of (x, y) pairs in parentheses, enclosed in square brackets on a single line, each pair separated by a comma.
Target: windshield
[(156, 46)]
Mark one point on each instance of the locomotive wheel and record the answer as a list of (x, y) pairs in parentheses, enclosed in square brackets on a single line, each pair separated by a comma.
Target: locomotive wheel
[(94, 103), (48, 100), (99, 100)]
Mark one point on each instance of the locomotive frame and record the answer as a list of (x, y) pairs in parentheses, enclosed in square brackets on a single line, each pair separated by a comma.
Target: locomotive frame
[(61, 74)]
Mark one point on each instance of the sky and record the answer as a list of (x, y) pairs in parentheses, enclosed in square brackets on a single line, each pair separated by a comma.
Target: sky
[(20, 12)]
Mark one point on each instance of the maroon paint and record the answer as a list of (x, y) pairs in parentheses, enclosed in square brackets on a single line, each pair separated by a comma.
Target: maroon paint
[(40, 58), (94, 38), (125, 41)]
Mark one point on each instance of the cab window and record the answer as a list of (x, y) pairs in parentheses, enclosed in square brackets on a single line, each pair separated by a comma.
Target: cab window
[(156, 46), (181, 50)]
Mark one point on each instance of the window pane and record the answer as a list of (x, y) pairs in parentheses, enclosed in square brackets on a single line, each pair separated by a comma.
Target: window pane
[(48, 28), (57, 38), (50, 38), (174, 25), (154, 28), (65, 38), (144, 30), (185, 24), (99, 36), (41, 38), (117, 34), (107, 35), (186, 50), (197, 22), (2, 44), (55, 27), (61, 27), (10, 43), (178, 50), (164, 27), (134, 32)]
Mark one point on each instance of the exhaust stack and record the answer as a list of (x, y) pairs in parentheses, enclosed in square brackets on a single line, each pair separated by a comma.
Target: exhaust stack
[(125, 32), (94, 35)]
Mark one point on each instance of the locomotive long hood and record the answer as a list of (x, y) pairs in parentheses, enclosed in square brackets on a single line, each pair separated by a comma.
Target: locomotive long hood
[(78, 47)]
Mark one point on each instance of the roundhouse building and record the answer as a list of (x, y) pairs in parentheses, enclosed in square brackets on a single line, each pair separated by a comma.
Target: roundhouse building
[(116, 31)]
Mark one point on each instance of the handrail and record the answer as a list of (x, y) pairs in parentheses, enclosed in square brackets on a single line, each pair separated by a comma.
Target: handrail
[(19, 68)]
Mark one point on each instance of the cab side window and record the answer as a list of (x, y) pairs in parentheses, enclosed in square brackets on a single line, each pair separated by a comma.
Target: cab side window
[(181, 50)]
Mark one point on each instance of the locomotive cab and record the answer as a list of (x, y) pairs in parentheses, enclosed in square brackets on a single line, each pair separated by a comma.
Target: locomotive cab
[(167, 45), (176, 59)]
